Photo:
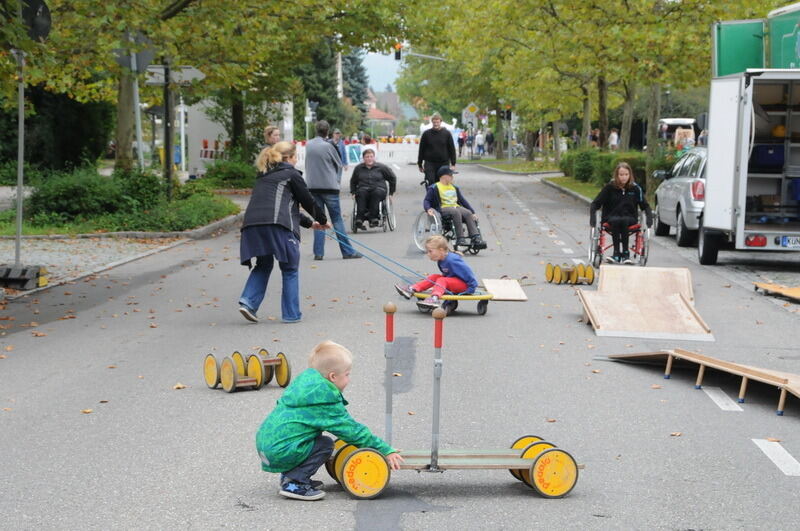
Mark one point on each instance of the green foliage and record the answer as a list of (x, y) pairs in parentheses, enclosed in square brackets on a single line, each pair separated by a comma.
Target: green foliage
[(183, 214), (318, 76), (232, 173), (82, 193), (355, 80), (583, 164), (146, 189), (8, 174), (603, 164), (203, 186)]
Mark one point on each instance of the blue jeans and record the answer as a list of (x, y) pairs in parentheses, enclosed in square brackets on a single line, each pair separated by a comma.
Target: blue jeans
[(322, 450), (256, 287), (331, 201)]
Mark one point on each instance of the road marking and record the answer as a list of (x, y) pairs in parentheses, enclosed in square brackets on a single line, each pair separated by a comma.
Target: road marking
[(567, 250), (552, 235), (778, 455), (721, 399), (395, 166), (558, 242), (577, 261)]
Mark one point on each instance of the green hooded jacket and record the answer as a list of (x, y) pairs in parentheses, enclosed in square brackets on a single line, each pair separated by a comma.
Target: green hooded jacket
[(310, 405)]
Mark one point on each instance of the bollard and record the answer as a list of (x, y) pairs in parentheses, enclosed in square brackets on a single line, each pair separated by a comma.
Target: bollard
[(389, 309), (438, 315)]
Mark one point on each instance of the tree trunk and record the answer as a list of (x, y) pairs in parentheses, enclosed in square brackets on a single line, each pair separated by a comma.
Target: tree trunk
[(602, 109), (557, 141), (238, 136), (587, 117), (627, 116), (499, 134), (653, 149), (125, 123)]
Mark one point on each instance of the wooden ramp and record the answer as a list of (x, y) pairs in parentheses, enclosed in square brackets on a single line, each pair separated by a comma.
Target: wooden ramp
[(784, 381), (644, 302), (504, 289), (779, 289)]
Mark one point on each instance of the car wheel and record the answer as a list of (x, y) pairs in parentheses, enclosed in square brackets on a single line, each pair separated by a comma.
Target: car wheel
[(683, 236), (662, 229)]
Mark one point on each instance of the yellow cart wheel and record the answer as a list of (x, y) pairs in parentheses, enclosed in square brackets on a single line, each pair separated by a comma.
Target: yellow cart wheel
[(581, 270), (211, 371), (365, 474), (573, 275), (548, 272), (283, 373), (589, 275), (238, 360), (338, 463), (554, 473), (530, 452), (269, 370), (338, 444), (255, 369), (520, 444), (228, 375), (557, 274)]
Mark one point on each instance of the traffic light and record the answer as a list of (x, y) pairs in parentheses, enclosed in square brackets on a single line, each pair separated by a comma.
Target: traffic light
[(398, 51)]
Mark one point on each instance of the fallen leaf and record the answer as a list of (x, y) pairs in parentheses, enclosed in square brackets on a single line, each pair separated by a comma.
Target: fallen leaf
[(675, 434), (86, 411), (104, 401), (411, 413), (550, 420), (153, 325), (397, 374), (655, 386), (773, 439), (179, 386), (111, 367), (38, 334), (596, 371), (6, 409), (759, 322), (9, 348)]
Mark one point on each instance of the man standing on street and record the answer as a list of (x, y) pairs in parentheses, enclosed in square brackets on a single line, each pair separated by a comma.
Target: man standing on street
[(436, 149), (324, 176), (338, 143)]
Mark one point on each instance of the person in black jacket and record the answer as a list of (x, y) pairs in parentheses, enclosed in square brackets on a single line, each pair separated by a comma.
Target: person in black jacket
[(620, 201), (436, 149), (271, 230), (368, 184)]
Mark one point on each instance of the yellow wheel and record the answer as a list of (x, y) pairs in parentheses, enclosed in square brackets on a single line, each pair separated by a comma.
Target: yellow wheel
[(228, 375), (338, 444), (366, 474), (554, 473), (548, 272), (557, 274), (238, 360), (581, 270), (530, 452), (338, 462), (269, 370), (589, 275), (520, 444), (255, 369), (283, 373), (211, 371), (573, 275)]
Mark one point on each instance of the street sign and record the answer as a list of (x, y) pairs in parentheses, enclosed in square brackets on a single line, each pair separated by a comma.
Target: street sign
[(181, 75), (143, 58), (469, 114)]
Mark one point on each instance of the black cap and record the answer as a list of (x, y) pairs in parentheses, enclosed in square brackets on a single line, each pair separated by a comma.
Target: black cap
[(445, 170)]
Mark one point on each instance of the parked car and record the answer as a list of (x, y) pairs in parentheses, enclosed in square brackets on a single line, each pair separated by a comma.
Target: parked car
[(680, 197)]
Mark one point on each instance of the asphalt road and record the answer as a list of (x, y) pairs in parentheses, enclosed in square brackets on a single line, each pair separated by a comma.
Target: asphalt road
[(149, 456)]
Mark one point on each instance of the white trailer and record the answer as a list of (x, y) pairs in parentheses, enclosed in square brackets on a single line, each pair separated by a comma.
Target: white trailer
[(752, 189)]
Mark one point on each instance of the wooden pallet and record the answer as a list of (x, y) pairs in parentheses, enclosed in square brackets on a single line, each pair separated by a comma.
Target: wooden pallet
[(779, 290)]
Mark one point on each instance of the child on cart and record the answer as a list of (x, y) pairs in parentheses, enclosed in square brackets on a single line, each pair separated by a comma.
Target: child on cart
[(457, 278), (620, 201), (290, 439)]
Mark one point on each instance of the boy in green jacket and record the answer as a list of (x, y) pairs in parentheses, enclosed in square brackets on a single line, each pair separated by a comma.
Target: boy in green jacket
[(290, 439)]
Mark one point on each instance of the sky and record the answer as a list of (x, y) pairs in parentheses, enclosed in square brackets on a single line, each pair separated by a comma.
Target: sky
[(381, 70)]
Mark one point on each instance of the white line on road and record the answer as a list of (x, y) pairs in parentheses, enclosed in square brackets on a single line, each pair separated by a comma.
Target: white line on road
[(552, 235), (558, 242), (395, 166), (567, 250), (778, 455), (577, 261), (721, 399)]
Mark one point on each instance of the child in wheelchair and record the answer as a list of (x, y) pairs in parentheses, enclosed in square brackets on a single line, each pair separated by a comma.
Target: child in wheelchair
[(456, 276), (368, 185), (447, 199), (620, 201)]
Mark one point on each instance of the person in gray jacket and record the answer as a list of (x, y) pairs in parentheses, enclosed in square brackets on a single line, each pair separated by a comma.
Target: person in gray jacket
[(323, 176)]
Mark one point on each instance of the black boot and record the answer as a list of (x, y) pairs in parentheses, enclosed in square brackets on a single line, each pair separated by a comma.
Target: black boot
[(477, 242)]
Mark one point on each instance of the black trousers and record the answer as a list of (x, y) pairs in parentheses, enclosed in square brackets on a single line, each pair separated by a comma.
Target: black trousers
[(618, 226), (322, 450), (368, 201), (430, 171)]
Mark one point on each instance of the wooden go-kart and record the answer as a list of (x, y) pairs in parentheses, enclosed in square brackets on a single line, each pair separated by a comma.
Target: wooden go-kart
[(256, 372), (450, 302)]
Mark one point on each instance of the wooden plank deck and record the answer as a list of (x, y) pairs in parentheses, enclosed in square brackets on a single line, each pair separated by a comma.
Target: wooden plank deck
[(460, 462)]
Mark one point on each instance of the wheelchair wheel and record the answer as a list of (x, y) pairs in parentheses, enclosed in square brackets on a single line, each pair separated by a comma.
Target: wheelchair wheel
[(424, 226), (391, 220), (645, 252), (595, 252), (353, 220)]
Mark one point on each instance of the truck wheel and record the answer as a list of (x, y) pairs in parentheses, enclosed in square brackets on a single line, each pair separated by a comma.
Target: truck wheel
[(662, 229), (708, 244)]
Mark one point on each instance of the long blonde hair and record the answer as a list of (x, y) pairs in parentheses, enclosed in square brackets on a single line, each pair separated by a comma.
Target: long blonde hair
[(272, 156)]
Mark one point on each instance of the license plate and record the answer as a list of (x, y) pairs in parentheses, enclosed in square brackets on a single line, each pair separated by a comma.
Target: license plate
[(790, 241)]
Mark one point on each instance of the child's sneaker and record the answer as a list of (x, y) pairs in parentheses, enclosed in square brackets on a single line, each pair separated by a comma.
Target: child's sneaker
[(430, 303), (404, 290), (299, 491), (612, 259), (314, 483), (626, 258)]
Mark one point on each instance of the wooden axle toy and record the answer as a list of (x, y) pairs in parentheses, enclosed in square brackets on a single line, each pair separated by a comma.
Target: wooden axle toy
[(235, 372), (569, 274)]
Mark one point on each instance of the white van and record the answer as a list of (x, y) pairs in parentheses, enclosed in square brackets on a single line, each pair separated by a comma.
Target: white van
[(752, 189)]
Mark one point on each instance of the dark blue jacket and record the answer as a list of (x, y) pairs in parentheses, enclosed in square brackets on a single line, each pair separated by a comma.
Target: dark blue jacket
[(454, 266), (432, 199)]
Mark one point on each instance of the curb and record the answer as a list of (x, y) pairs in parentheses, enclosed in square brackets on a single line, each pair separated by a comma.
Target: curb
[(560, 188), (543, 172)]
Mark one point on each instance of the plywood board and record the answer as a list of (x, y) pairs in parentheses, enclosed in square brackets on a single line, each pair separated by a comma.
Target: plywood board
[(779, 289), (664, 317), (646, 281), (504, 289)]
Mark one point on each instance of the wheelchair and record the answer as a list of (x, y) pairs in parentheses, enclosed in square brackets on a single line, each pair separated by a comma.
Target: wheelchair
[(600, 241), (427, 225), (386, 216)]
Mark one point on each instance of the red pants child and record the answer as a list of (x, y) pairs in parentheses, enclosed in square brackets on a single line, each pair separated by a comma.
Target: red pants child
[(440, 283)]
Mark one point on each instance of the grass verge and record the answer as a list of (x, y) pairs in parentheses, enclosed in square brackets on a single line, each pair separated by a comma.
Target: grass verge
[(589, 190), (522, 166)]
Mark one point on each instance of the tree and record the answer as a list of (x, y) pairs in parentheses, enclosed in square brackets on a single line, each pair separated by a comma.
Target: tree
[(355, 78)]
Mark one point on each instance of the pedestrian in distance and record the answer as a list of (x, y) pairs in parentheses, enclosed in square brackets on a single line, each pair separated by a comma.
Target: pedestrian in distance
[(456, 276), (290, 440), (620, 201), (446, 198), (271, 230), (462, 138), (436, 149), (368, 185), (489, 142), (613, 139), (324, 176), (338, 143), (479, 142)]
